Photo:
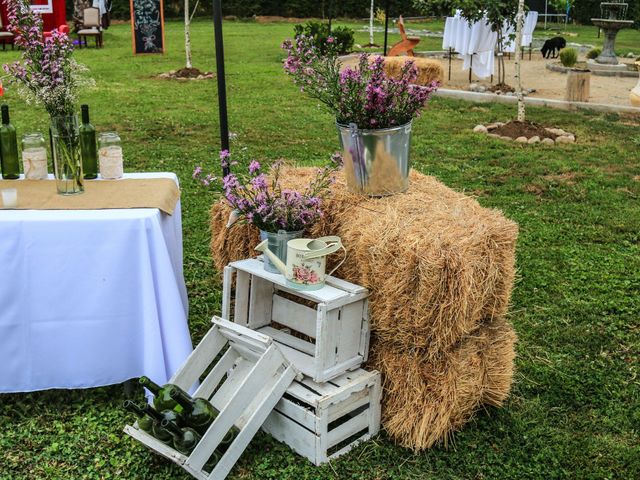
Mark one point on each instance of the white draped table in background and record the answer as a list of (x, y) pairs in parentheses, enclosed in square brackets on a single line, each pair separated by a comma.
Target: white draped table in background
[(91, 297)]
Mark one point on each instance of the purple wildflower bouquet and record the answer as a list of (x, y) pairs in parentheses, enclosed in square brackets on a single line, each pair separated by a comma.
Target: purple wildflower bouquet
[(46, 74), (260, 200), (366, 96)]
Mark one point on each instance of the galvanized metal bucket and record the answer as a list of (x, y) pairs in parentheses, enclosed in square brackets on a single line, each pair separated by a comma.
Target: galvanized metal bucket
[(376, 162)]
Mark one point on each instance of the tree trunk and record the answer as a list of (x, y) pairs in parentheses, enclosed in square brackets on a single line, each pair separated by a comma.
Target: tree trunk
[(187, 33), (371, 16), (518, 47), (578, 86)]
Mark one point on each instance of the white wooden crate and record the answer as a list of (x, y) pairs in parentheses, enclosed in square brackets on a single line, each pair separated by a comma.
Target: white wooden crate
[(324, 421), (244, 384), (324, 332)]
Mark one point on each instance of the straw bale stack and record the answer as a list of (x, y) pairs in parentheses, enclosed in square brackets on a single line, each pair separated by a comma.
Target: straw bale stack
[(429, 70), (440, 269)]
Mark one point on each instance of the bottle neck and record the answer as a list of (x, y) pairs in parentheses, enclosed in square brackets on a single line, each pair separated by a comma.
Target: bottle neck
[(149, 384), (172, 428), (152, 412), (131, 406), (183, 400), (85, 113)]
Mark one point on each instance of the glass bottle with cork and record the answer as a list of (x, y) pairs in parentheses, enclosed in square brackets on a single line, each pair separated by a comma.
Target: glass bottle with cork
[(88, 146), (8, 147)]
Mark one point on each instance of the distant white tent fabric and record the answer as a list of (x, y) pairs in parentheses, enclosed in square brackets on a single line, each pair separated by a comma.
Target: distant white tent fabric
[(476, 43), (530, 23)]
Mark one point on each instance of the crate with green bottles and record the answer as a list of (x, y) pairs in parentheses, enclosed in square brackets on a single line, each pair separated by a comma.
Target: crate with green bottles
[(238, 375)]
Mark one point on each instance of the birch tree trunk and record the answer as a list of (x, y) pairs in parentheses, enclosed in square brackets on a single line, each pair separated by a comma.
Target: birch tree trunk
[(187, 33), (518, 47), (371, 16)]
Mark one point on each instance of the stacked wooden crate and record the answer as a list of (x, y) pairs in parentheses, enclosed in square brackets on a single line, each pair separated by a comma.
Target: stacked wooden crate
[(325, 335)]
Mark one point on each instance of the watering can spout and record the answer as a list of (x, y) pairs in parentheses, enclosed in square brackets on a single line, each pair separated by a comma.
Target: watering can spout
[(264, 248)]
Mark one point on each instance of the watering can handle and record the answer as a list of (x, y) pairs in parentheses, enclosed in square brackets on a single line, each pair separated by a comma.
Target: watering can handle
[(333, 245)]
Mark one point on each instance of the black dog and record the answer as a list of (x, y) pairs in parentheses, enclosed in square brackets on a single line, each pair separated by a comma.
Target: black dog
[(553, 47)]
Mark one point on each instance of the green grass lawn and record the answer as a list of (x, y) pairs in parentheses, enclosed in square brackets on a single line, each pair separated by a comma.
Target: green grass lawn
[(574, 411)]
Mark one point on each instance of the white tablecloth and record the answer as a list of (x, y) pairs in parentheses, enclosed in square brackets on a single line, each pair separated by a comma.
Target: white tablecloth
[(530, 22), (91, 297)]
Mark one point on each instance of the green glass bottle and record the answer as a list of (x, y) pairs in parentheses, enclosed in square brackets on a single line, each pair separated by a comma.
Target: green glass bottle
[(145, 422), (162, 395), (158, 417), (88, 146), (212, 462), (8, 147), (198, 413), (184, 439)]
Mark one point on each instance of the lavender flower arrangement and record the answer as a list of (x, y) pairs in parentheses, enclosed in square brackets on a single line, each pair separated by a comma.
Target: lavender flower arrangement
[(46, 74), (259, 199), (365, 96)]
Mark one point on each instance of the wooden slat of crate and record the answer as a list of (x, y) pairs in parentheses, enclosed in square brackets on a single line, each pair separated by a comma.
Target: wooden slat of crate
[(294, 315)]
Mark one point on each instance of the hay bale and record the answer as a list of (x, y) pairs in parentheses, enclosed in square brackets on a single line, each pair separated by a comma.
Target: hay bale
[(429, 70), (436, 262), (424, 402), (440, 269)]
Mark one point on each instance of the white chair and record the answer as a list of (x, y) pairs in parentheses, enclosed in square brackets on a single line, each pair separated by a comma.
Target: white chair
[(5, 37), (91, 26)]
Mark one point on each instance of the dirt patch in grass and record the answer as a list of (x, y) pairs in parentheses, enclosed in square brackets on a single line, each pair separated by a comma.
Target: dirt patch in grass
[(567, 178), (515, 129)]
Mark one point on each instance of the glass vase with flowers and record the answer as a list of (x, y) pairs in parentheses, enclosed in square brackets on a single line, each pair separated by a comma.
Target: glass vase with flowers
[(258, 197), (48, 75)]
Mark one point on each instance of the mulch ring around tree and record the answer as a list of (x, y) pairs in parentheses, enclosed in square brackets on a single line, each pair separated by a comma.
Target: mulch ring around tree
[(187, 74), (526, 132)]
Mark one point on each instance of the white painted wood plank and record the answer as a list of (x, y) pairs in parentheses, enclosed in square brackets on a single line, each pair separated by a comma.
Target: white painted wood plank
[(344, 285), (329, 344), (232, 383), (199, 360), (355, 401), (270, 397), (241, 311), (227, 277), (289, 340), (303, 362), (325, 294), (340, 369), (210, 383), (155, 445), (250, 353), (351, 427), (294, 315), (375, 405), (240, 399), (366, 332), (350, 447), (350, 331), (322, 339), (296, 390), (355, 377), (260, 302), (298, 414), (322, 443), (298, 438), (233, 331), (323, 389)]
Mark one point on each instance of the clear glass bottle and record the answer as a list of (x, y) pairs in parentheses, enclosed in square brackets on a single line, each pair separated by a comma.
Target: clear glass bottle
[(34, 156), (88, 146), (110, 156), (8, 147)]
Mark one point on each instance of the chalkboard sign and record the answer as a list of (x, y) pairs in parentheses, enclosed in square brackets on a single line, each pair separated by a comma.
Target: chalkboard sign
[(147, 26)]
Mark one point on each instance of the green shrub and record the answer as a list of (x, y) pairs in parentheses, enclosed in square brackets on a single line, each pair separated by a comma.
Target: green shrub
[(319, 31), (568, 57), (594, 53)]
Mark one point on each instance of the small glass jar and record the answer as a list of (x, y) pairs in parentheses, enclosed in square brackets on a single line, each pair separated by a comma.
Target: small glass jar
[(110, 156), (34, 156)]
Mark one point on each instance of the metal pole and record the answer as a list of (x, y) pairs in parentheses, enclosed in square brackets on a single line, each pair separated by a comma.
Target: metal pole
[(386, 25), (546, 11), (330, 14), (222, 82)]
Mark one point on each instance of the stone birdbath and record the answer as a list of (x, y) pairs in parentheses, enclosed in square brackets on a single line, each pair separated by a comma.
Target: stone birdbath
[(613, 13)]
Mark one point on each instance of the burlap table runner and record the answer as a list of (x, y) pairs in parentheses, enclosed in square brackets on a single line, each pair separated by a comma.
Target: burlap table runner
[(161, 193)]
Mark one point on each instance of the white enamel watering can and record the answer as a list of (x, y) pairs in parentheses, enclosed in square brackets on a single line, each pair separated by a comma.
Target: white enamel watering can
[(306, 260)]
